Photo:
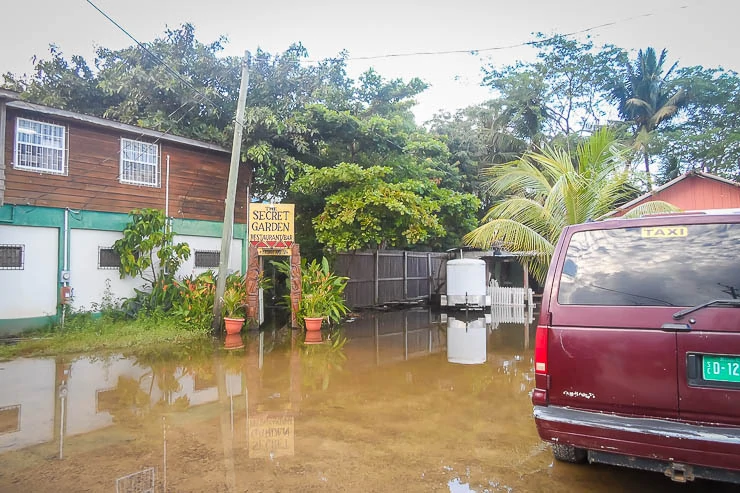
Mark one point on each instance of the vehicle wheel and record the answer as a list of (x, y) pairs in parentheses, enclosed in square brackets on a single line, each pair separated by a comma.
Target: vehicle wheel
[(568, 453)]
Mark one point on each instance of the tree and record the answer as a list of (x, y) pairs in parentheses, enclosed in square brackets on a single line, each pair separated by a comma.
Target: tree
[(708, 138), (148, 236), (363, 209), (646, 98), (550, 189)]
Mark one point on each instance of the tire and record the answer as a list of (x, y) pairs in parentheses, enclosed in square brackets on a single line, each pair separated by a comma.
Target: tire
[(568, 453)]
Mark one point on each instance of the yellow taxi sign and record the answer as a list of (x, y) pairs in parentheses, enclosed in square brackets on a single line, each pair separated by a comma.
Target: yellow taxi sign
[(665, 232)]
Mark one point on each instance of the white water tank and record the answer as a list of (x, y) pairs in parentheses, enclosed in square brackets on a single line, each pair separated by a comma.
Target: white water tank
[(466, 283)]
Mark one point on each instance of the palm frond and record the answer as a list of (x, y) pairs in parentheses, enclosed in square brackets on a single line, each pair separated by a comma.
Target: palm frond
[(652, 207)]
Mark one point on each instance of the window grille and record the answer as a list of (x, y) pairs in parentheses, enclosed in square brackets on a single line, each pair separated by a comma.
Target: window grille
[(207, 259), (139, 163), (108, 258), (11, 257), (40, 147)]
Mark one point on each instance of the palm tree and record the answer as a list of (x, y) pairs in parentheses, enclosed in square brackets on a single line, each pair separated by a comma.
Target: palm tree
[(548, 190), (644, 98)]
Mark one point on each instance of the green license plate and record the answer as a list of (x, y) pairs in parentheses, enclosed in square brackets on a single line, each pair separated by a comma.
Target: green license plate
[(721, 368)]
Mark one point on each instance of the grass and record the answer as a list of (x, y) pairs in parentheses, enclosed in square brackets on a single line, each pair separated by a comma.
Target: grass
[(87, 333)]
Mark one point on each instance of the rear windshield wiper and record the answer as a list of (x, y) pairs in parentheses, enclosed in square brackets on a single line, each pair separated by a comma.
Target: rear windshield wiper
[(682, 313)]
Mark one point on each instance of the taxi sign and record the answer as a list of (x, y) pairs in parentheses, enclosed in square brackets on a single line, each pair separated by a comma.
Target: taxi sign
[(665, 232)]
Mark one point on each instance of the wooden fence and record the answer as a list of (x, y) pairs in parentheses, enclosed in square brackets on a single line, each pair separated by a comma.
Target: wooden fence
[(389, 276)]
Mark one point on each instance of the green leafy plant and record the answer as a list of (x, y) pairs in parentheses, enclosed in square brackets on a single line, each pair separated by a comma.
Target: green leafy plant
[(322, 290), (146, 237), (233, 303)]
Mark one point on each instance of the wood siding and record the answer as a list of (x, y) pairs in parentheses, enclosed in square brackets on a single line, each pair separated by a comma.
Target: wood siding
[(197, 184), (697, 193)]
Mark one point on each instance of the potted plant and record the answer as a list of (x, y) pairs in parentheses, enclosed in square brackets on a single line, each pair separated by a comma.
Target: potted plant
[(233, 309), (323, 295)]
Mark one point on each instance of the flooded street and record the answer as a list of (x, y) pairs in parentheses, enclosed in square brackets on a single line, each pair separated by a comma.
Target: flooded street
[(407, 400)]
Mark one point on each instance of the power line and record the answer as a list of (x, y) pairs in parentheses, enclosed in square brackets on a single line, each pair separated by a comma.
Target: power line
[(475, 51)]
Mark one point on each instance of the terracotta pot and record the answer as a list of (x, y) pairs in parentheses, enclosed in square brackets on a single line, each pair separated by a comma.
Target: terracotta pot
[(313, 330), (233, 325), (313, 323)]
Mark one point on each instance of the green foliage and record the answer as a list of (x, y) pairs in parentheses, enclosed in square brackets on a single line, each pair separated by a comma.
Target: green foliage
[(147, 235), (322, 292), (363, 209), (546, 191), (234, 305)]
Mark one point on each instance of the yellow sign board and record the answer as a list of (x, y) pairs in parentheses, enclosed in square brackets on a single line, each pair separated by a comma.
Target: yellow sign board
[(271, 436), (665, 232), (272, 228)]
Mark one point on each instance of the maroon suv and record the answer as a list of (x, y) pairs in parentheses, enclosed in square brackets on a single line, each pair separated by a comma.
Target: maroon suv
[(637, 353)]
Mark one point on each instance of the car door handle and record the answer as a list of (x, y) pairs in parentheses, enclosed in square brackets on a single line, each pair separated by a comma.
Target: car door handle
[(671, 327)]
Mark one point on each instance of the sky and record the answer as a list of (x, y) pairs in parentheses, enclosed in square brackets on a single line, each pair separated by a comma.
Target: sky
[(695, 32)]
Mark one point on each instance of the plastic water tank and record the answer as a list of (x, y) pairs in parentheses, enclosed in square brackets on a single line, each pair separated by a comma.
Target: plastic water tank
[(466, 275)]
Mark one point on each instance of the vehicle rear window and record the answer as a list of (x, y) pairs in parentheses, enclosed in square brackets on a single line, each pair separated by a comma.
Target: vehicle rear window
[(658, 266)]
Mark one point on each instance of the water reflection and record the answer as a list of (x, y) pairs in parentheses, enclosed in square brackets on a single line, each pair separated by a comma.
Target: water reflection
[(466, 340), (376, 406)]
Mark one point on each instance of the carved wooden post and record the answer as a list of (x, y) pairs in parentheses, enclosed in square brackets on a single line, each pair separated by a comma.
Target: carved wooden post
[(253, 276), (295, 283)]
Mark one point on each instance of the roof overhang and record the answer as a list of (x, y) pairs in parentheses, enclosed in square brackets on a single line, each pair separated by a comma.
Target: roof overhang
[(101, 122), (645, 197)]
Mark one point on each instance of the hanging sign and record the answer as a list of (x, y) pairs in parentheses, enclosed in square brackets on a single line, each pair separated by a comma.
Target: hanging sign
[(272, 228)]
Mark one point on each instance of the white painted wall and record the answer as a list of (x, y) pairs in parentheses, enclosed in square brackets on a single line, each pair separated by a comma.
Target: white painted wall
[(31, 292), (210, 244), (29, 383), (89, 281)]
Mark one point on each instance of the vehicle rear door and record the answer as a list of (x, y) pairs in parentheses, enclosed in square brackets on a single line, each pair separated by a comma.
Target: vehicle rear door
[(608, 349), (709, 345)]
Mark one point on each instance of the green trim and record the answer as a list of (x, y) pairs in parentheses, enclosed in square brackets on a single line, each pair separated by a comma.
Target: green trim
[(29, 215), (102, 221), (15, 326)]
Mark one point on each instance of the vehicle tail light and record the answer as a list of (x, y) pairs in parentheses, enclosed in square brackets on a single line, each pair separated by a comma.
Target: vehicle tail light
[(540, 350)]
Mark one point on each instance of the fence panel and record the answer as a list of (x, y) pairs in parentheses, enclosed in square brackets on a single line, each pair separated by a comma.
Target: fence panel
[(389, 276)]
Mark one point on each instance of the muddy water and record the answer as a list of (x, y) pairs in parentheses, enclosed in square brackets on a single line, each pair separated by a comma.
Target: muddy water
[(399, 401)]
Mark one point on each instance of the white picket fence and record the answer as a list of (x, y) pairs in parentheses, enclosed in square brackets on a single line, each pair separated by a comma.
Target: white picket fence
[(509, 296)]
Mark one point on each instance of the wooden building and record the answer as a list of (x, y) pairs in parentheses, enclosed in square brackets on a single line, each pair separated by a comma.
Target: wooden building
[(691, 191), (67, 184)]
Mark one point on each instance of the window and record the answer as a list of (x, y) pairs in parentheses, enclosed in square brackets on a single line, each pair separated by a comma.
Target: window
[(11, 257), (629, 267), (139, 163), (40, 147), (207, 259), (108, 258)]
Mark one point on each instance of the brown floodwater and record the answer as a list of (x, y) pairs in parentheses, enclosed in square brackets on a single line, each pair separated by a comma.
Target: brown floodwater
[(408, 400)]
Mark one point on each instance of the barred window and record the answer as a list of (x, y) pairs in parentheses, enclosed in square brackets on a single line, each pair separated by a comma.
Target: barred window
[(139, 163), (40, 146), (207, 259), (108, 258), (11, 257)]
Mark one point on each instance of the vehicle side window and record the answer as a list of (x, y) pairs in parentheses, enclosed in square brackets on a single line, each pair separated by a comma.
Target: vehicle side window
[(655, 266)]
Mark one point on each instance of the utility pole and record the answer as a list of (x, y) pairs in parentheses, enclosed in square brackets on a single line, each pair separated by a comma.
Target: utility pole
[(228, 231)]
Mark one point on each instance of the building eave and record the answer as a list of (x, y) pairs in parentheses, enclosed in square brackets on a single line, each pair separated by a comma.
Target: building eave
[(101, 122), (655, 191)]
